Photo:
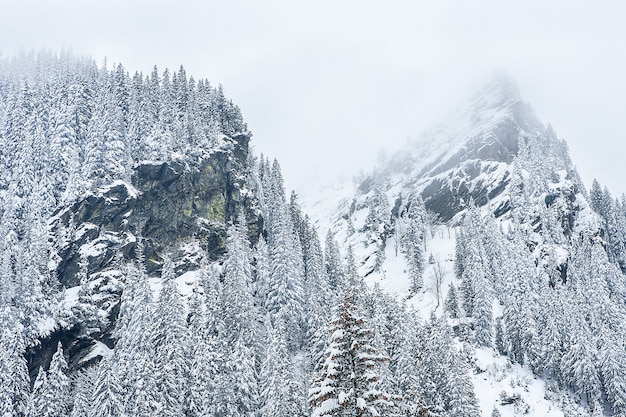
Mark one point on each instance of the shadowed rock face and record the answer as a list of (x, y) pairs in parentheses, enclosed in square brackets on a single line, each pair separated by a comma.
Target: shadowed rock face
[(448, 197), (466, 162), (168, 203)]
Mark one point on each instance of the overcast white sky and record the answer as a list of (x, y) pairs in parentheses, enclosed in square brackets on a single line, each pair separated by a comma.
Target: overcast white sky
[(324, 84)]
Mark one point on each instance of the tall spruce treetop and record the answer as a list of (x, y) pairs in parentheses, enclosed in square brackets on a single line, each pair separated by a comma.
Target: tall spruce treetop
[(238, 311), (52, 396), (14, 379), (346, 384)]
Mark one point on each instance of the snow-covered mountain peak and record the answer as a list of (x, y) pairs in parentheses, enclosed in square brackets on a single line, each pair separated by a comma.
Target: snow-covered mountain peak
[(492, 153), (468, 158), (486, 126)]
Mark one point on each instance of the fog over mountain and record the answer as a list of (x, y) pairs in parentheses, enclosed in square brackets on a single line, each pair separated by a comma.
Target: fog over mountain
[(361, 75)]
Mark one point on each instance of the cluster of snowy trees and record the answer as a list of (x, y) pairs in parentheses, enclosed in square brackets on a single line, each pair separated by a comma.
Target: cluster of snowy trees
[(612, 213), (567, 326), (280, 327), (412, 228), (408, 223), (67, 125)]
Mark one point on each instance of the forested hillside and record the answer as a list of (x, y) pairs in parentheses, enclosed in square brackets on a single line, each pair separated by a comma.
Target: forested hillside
[(153, 265), (536, 272)]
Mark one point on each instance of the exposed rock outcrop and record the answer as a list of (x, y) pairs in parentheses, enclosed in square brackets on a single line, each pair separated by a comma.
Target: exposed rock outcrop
[(166, 204)]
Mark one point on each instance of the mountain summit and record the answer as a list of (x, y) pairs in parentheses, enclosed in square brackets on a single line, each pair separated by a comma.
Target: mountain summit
[(470, 158), (492, 153)]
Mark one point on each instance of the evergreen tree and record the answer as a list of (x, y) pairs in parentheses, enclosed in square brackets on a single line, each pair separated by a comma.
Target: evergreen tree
[(318, 295), (107, 393), (199, 368), (14, 378), (578, 364), (452, 302), (613, 372), (500, 342), (83, 386), (550, 335), (244, 378), (446, 387), (332, 262), (51, 396), (171, 343), (285, 286), (279, 387), (263, 269), (237, 300), (346, 383), (413, 242), (134, 352), (378, 221)]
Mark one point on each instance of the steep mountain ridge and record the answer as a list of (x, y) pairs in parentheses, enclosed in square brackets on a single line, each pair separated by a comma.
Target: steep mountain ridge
[(466, 160), (484, 220), (492, 153)]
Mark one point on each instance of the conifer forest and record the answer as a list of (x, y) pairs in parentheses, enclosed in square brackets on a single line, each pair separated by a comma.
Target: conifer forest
[(152, 264)]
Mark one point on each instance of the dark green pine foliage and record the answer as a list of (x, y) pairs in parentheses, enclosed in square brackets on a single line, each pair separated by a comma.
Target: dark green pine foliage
[(346, 383)]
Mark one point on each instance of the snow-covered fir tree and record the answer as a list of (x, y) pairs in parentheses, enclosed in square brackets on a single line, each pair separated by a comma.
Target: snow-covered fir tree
[(346, 383)]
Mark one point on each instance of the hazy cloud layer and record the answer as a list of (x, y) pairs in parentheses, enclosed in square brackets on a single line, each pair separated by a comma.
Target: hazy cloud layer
[(324, 84)]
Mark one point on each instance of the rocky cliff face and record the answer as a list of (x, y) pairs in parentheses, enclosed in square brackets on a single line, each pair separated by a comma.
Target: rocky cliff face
[(467, 159), (181, 208), (166, 204)]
